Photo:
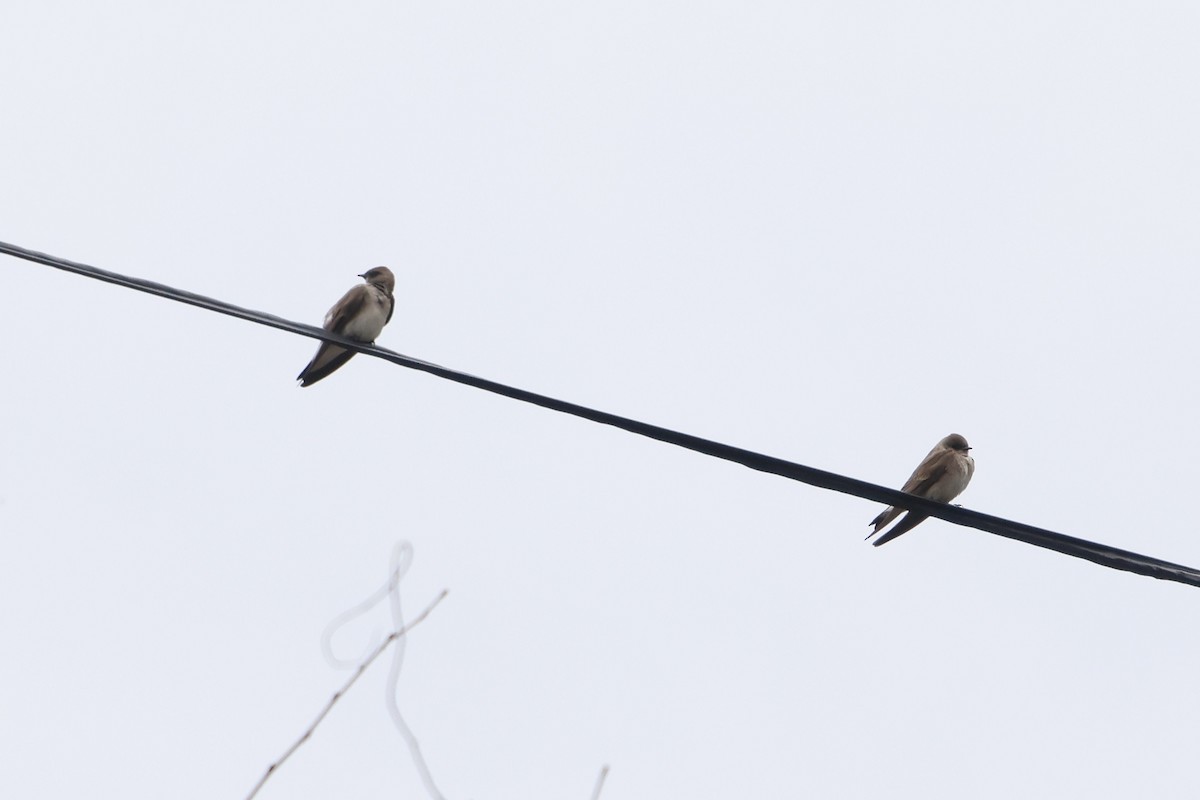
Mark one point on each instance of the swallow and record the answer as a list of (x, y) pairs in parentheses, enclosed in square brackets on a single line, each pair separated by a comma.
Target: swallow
[(359, 315), (942, 476)]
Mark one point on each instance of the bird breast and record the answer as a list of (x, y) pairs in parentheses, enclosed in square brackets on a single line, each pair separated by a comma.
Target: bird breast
[(958, 475), (367, 325)]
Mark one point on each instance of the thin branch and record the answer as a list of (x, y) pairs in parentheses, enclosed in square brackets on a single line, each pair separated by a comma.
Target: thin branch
[(401, 560), (401, 557), (338, 695), (600, 782)]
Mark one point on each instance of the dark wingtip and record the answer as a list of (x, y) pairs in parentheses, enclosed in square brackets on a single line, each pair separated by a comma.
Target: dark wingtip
[(307, 379), (310, 375), (899, 530), (906, 524)]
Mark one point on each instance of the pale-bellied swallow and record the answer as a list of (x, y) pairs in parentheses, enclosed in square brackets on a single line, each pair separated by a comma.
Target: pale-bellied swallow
[(942, 476), (360, 315)]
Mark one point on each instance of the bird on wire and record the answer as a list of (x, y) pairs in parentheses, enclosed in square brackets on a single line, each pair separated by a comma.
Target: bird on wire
[(942, 476), (359, 315)]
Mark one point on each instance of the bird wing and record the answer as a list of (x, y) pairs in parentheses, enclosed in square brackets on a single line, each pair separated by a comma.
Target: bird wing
[(330, 357), (347, 308), (930, 471)]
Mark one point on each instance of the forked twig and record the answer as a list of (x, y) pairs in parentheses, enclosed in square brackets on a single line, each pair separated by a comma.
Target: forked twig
[(393, 636)]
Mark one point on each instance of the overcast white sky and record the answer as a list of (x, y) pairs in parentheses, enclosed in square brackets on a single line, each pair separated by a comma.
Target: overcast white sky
[(831, 232)]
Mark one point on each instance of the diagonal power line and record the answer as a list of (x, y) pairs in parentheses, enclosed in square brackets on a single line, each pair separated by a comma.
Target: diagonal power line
[(1104, 555)]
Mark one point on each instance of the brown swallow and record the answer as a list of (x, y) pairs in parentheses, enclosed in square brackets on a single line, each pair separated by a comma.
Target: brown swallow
[(942, 476), (359, 315)]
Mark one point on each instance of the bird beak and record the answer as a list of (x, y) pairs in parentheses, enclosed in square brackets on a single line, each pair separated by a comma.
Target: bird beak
[(362, 274)]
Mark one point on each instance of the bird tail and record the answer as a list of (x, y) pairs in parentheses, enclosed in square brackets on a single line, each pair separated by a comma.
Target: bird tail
[(329, 358), (880, 522), (910, 521)]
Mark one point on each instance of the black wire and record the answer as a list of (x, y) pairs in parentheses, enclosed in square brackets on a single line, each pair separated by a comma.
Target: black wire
[(1069, 545)]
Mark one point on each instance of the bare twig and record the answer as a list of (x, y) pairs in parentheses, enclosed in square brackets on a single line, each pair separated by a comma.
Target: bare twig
[(402, 555), (338, 695), (600, 782), (401, 558)]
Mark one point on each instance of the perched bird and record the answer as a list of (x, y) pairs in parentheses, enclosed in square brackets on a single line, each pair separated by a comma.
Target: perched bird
[(942, 476), (360, 315)]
